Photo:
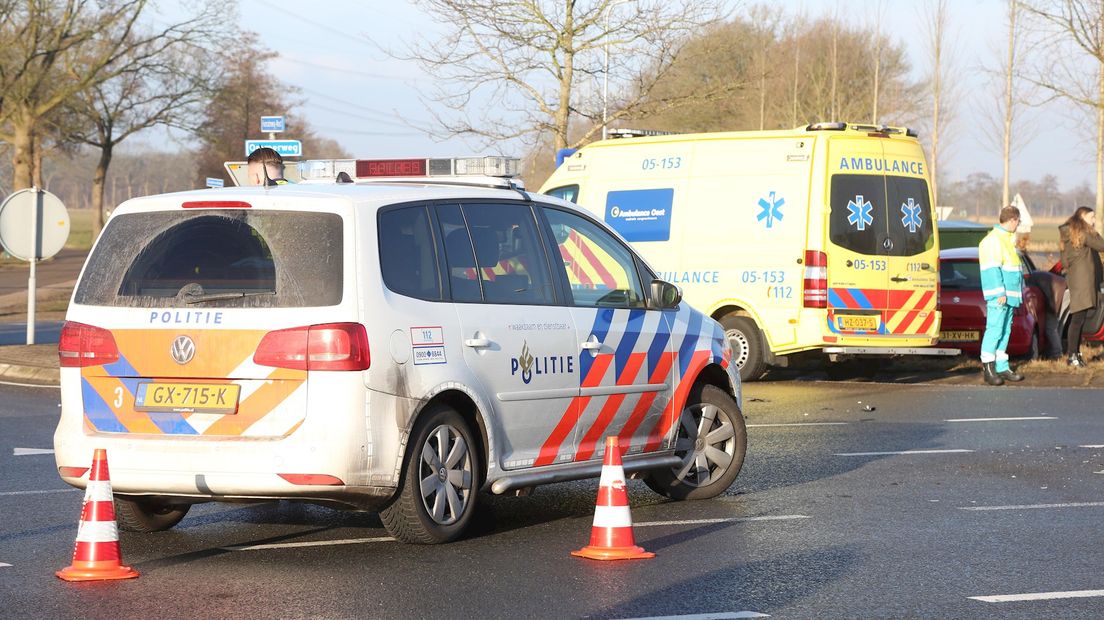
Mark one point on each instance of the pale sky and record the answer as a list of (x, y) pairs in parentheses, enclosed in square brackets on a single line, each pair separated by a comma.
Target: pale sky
[(355, 94)]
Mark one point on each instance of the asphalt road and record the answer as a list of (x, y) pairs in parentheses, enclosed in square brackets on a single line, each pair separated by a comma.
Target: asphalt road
[(826, 521), (63, 267), (46, 332)]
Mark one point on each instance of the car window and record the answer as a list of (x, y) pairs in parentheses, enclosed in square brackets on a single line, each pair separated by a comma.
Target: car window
[(221, 258), (959, 275), (494, 254), (600, 270), (910, 222), (857, 212), (569, 193), (408, 259)]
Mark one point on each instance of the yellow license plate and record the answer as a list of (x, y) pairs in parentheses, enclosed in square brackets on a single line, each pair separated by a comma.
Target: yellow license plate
[(858, 322), (959, 336), (187, 397)]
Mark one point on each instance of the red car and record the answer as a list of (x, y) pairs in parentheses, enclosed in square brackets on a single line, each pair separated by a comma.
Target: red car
[(963, 307)]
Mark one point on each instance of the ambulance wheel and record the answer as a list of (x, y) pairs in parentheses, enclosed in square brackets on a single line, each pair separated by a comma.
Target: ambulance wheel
[(147, 514), (747, 345), (711, 441), (438, 489)]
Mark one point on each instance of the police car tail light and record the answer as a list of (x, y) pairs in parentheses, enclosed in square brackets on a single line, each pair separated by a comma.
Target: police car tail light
[(216, 204), (72, 472), (85, 345), (816, 279), (320, 479), (332, 346)]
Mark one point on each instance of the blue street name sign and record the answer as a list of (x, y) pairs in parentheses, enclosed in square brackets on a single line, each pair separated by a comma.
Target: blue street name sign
[(286, 148), (214, 182), (272, 124)]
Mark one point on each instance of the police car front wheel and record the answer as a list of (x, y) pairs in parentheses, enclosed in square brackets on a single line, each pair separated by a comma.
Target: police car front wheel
[(711, 441), (438, 490)]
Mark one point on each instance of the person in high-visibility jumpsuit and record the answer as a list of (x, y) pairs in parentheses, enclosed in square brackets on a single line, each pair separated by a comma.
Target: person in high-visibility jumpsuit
[(1002, 286)]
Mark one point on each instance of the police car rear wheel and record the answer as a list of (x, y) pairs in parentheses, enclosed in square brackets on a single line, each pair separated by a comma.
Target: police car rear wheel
[(438, 490), (747, 345), (147, 515), (711, 441)]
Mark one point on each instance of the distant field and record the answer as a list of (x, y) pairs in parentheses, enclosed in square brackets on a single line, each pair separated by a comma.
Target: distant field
[(80, 229)]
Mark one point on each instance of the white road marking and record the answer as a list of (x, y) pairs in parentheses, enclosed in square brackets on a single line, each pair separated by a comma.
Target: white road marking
[(800, 424), (959, 451), (30, 451), (37, 492), (316, 543), (1095, 446), (1034, 506), (1037, 596), (1038, 417), (714, 616), (722, 520), (3, 565)]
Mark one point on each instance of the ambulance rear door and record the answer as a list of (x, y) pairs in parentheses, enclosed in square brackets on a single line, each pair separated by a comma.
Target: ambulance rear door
[(858, 240), (911, 253)]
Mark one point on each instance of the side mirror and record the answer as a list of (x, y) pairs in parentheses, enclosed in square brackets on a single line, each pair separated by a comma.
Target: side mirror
[(665, 295)]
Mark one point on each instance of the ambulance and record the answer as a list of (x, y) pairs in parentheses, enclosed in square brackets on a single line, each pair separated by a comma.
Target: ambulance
[(819, 238), (398, 341)]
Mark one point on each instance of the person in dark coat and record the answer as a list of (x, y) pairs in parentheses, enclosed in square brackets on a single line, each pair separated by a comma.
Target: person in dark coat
[(1081, 246)]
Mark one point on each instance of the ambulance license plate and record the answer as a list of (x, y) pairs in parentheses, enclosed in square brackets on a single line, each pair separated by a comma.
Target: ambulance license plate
[(959, 336), (188, 397), (858, 322)]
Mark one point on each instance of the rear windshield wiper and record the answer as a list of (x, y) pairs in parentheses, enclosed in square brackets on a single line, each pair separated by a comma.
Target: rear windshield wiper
[(196, 299)]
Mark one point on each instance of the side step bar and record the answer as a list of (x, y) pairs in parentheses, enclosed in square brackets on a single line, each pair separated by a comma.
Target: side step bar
[(582, 471)]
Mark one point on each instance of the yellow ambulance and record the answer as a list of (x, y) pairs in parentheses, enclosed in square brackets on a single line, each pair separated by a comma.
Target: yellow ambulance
[(816, 238)]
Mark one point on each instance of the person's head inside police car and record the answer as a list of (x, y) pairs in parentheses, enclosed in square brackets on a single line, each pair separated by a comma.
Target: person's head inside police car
[(265, 167)]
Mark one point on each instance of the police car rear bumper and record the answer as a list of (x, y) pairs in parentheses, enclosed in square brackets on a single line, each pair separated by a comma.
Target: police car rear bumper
[(889, 351)]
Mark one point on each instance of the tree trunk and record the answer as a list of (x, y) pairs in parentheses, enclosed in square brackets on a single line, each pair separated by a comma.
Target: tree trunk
[(22, 155), (1009, 99), (562, 118), (99, 178)]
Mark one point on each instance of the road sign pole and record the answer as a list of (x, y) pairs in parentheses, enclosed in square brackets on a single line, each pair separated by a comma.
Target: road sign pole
[(36, 234)]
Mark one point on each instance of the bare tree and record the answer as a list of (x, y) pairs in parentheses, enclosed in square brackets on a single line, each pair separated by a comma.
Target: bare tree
[(50, 50), (940, 59), (167, 86), (1073, 67), (520, 62)]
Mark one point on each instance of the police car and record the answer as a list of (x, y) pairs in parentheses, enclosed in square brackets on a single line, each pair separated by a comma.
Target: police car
[(400, 342)]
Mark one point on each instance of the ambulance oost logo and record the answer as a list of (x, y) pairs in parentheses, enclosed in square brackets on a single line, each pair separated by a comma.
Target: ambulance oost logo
[(183, 349)]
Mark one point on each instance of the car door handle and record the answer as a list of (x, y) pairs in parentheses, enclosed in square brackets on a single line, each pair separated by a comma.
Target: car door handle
[(592, 344), (477, 343), (900, 278)]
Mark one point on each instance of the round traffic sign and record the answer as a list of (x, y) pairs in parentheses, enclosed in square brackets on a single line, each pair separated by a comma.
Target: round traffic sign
[(33, 224)]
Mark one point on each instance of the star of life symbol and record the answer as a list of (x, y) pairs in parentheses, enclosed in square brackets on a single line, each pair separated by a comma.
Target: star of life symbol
[(860, 216), (772, 209), (910, 215)]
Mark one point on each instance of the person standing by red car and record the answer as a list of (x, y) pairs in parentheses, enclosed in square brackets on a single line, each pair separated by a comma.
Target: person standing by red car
[(1081, 246), (1002, 286)]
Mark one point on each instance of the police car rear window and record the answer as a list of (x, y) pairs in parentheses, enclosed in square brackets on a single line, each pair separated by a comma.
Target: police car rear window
[(216, 258)]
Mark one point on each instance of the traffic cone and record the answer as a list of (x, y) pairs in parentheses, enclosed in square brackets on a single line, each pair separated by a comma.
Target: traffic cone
[(611, 536), (96, 554)]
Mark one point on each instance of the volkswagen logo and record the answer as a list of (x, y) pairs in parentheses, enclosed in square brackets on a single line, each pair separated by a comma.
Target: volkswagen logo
[(183, 349)]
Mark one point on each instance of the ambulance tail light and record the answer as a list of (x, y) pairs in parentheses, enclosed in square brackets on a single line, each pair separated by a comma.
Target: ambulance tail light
[(85, 345), (331, 346), (816, 279)]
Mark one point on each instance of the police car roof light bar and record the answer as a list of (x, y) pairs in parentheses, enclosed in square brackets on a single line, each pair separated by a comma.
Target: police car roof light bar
[(624, 132), (409, 168)]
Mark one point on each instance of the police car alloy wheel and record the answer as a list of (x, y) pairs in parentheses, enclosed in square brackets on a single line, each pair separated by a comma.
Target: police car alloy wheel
[(711, 441), (438, 491)]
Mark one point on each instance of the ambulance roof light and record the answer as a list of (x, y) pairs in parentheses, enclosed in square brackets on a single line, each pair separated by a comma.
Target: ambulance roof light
[(826, 127), (624, 132)]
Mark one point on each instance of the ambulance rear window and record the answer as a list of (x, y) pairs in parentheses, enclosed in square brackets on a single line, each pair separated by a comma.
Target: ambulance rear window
[(216, 258), (881, 215)]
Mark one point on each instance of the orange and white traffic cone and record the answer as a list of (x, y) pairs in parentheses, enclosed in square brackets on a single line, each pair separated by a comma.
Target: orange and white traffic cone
[(96, 554), (611, 537)]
